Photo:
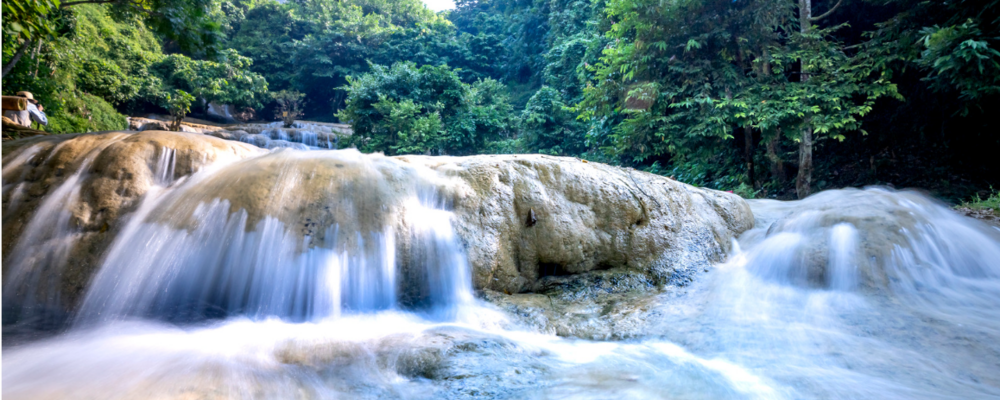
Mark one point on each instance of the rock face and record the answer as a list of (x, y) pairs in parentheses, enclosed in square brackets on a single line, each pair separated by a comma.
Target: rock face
[(80, 187), (150, 124), (521, 218), (524, 217)]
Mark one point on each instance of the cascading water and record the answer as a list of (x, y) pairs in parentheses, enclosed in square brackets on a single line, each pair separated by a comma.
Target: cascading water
[(854, 294), (301, 136), (30, 291), (217, 260), (338, 275)]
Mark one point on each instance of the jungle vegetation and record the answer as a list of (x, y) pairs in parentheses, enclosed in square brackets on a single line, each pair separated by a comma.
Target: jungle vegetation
[(776, 98)]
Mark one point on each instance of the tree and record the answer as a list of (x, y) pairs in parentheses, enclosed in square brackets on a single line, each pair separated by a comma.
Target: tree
[(953, 44), (548, 125), (659, 81), (227, 81), (679, 79), (289, 106), (25, 23), (830, 108), (179, 104), (405, 110), (187, 23)]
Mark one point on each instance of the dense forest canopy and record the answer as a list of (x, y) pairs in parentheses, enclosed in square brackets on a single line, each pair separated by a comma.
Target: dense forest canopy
[(772, 98)]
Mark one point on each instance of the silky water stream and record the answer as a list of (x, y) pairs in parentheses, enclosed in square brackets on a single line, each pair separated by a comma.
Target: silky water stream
[(870, 294)]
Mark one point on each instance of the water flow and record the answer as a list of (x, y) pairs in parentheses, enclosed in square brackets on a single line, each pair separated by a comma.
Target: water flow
[(165, 162), (870, 294), (221, 261), (842, 266), (867, 294), (32, 288), (300, 136)]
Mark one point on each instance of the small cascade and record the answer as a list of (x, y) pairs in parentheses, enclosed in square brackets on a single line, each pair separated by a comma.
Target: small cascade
[(842, 268), (223, 260), (301, 136), (165, 162), (16, 190), (851, 293), (33, 271), (871, 239), (32, 281)]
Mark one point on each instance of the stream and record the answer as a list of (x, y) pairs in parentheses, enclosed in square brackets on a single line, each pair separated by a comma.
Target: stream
[(854, 293)]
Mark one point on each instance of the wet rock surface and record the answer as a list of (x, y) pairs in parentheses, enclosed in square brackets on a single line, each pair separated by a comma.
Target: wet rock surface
[(527, 222), (44, 195), (525, 217), (600, 305), (884, 230), (458, 362), (988, 216)]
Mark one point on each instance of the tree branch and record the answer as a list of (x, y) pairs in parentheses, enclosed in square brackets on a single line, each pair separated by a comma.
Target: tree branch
[(17, 57), (73, 3), (827, 14)]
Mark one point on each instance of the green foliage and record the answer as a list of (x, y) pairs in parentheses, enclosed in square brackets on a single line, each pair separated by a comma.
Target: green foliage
[(408, 110), (415, 131), (97, 56), (179, 105), (663, 86), (312, 46), (960, 57), (953, 44), (108, 58), (267, 33), (188, 24), (120, 61), (489, 115), (678, 79), (746, 191), (289, 105), (548, 126), (721, 171), (28, 21), (841, 89), (991, 202), (662, 76), (83, 112), (227, 81)]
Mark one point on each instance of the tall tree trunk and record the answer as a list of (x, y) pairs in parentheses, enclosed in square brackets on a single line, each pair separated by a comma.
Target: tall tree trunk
[(777, 165), (17, 57), (38, 60), (803, 182), (748, 156)]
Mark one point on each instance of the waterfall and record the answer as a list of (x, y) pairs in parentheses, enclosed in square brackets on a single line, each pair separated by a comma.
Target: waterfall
[(334, 274), (226, 263), (851, 293), (34, 270)]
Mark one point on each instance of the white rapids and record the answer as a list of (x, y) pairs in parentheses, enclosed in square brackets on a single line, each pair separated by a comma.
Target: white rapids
[(869, 294)]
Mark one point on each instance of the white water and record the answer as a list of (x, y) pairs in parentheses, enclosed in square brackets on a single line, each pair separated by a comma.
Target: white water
[(301, 136), (35, 267), (849, 294)]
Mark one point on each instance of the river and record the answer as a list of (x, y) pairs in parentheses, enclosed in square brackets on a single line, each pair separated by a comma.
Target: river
[(869, 294)]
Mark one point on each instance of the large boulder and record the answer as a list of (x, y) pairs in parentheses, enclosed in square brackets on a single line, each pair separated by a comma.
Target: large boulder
[(80, 187), (521, 218), (524, 217)]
